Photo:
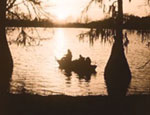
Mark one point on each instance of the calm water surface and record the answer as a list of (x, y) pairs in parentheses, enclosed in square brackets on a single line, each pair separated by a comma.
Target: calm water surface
[(36, 70)]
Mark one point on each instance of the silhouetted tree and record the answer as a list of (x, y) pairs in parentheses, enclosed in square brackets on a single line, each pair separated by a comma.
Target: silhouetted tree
[(6, 62), (33, 8), (117, 72)]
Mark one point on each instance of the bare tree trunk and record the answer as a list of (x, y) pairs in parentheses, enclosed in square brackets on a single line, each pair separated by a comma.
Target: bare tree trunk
[(6, 63), (120, 12), (117, 72), (119, 20)]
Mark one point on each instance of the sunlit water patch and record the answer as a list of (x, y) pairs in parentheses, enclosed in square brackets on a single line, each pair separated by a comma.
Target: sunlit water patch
[(36, 69)]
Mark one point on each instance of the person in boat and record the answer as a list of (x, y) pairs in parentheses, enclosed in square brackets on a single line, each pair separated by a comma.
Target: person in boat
[(88, 61), (81, 58), (67, 57)]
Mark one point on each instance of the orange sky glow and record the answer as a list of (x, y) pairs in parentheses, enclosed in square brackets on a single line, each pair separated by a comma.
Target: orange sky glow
[(70, 10)]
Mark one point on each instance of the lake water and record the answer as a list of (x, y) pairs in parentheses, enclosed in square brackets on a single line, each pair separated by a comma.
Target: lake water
[(36, 70)]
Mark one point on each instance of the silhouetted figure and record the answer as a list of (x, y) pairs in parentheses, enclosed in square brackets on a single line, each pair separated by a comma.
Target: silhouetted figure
[(67, 59), (81, 58), (117, 73), (65, 62), (68, 56), (88, 61)]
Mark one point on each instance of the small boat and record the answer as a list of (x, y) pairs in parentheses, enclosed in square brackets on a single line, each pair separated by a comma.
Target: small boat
[(80, 66)]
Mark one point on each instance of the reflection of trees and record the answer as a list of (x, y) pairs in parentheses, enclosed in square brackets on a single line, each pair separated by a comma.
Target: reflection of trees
[(24, 38), (95, 34), (143, 34)]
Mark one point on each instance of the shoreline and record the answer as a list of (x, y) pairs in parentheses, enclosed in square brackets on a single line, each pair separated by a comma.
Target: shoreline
[(26, 104)]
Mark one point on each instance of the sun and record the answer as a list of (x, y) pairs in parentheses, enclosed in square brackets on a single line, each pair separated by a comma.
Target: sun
[(61, 16)]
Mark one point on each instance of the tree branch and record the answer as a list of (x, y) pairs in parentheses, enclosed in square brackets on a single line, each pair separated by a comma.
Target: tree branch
[(10, 4)]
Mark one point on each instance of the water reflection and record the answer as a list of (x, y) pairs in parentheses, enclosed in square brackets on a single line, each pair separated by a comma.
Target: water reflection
[(36, 69), (60, 43), (104, 35)]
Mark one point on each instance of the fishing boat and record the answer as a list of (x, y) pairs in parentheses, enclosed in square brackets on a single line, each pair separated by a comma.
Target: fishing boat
[(81, 66)]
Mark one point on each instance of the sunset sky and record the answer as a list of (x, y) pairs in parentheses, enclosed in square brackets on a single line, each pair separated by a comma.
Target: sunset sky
[(70, 10)]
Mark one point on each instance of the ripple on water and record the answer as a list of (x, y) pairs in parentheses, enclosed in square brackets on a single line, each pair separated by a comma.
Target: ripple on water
[(36, 70)]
